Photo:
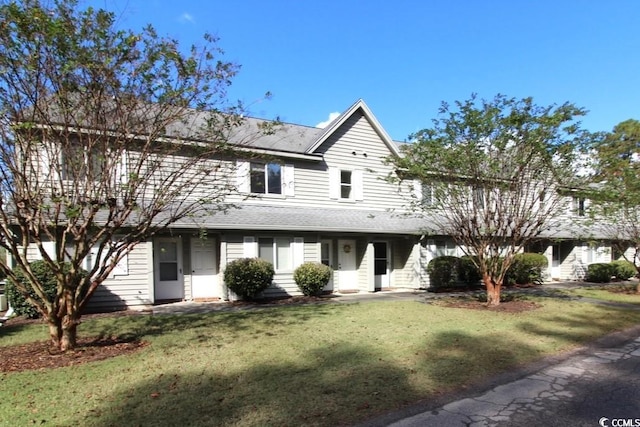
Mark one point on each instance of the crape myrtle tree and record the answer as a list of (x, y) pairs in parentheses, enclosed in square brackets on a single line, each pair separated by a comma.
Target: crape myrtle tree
[(615, 195), (488, 174), (108, 136)]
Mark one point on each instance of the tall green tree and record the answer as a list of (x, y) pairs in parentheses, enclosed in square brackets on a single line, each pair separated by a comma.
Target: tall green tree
[(616, 193), (107, 137), (488, 174)]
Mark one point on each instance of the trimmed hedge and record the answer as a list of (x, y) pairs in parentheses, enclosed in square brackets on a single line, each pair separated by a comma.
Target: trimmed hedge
[(247, 277), (469, 272), (443, 271), (526, 269), (600, 272), (623, 269), (312, 277), (45, 276)]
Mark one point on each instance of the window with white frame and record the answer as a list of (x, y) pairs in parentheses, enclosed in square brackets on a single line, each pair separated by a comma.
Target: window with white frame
[(427, 194), (346, 184), (276, 250), (578, 205), (478, 197), (445, 248), (79, 163), (266, 178)]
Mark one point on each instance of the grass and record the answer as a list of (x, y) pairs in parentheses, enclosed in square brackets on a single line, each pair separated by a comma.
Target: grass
[(615, 293), (318, 365)]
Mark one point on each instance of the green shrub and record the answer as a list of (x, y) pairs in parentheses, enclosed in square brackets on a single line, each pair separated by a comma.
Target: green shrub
[(45, 276), (247, 277), (468, 272), (600, 272), (526, 269), (623, 269), (312, 277), (443, 271)]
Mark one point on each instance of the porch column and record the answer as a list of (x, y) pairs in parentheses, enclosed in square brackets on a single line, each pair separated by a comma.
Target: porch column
[(369, 261)]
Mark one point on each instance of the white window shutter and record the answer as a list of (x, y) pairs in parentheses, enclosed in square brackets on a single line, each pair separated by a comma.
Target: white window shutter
[(249, 247), (417, 189), (122, 170), (358, 185), (432, 248), (288, 185), (334, 183), (298, 251), (243, 177), (49, 248)]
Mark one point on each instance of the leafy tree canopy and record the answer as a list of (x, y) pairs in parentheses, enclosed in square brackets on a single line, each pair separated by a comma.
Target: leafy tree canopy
[(490, 174), (107, 137)]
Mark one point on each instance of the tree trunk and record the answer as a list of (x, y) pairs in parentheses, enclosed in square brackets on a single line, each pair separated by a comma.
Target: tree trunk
[(493, 290), (55, 331), (63, 329), (69, 333)]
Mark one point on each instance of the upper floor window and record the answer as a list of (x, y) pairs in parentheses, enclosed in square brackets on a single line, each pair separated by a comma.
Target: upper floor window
[(266, 178), (345, 184), (79, 163), (478, 197), (578, 205), (427, 194)]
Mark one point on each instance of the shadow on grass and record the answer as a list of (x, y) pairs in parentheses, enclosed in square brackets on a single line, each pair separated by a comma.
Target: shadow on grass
[(204, 325), (8, 329), (331, 386), (580, 328)]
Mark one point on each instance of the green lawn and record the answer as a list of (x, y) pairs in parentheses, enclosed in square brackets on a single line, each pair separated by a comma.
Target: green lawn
[(307, 365), (614, 293)]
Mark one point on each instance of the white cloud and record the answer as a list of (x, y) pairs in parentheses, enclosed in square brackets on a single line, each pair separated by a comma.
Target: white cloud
[(186, 17), (332, 117)]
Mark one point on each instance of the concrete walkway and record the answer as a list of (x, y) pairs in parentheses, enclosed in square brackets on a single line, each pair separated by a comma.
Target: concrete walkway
[(595, 387)]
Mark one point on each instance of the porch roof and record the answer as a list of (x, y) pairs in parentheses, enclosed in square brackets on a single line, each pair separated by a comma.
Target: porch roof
[(282, 218)]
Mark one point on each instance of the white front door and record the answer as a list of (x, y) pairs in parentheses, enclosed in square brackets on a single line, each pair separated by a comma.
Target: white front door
[(168, 275), (347, 273), (381, 265), (204, 273), (326, 257)]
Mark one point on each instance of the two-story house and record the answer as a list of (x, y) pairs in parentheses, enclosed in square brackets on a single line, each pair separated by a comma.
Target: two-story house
[(321, 196)]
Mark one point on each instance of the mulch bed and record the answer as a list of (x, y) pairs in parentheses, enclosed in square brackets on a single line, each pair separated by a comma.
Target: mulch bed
[(516, 306), (40, 355)]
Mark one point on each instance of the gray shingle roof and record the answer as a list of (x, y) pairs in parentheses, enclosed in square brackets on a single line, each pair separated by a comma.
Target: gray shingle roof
[(278, 218)]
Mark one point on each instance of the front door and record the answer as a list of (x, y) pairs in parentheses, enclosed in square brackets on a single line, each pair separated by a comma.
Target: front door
[(381, 265), (347, 273), (169, 282), (326, 257), (204, 273)]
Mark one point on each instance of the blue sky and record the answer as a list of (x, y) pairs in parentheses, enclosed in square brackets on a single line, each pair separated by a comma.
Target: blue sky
[(404, 57)]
